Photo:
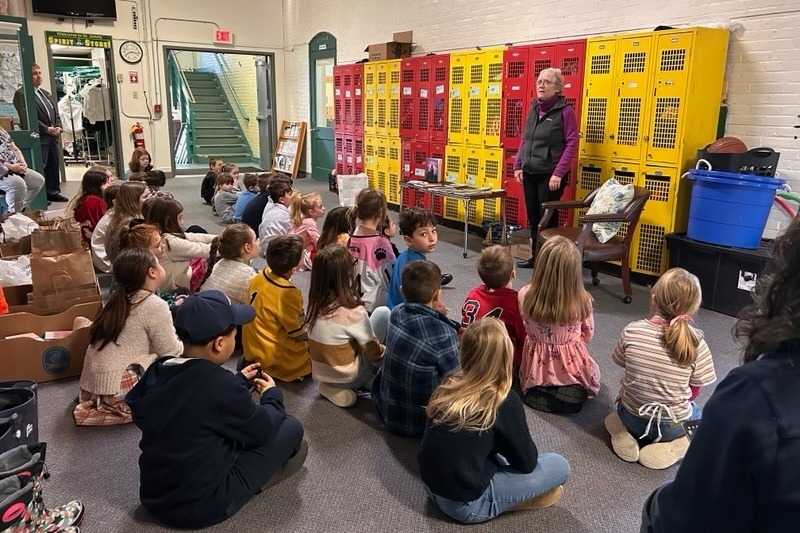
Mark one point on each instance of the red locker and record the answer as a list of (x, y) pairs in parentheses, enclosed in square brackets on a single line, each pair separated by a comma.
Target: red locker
[(405, 159), (515, 198), (436, 150), (338, 152), (358, 155), (419, 153), (438, 99), (408, 90), (347, 87), (358, 100), (422, 97), (338, 97), (517, 95)]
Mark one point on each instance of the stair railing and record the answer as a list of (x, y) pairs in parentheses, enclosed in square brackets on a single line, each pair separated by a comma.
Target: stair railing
[(225, 70), (183, 98)]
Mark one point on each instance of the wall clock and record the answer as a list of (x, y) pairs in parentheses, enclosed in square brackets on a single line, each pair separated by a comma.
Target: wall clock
[(131, 52)]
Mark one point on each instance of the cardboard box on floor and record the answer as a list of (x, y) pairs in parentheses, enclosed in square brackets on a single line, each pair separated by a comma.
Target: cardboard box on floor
[(13, 249), (20, 299), (399, 46), (521, 244), (39, 360)]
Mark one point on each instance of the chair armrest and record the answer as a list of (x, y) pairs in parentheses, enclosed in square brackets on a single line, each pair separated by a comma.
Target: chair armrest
[(602, 217), (568, 204)]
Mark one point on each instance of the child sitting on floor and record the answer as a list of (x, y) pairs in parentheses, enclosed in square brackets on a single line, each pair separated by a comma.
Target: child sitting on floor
[(277, 337), (237, 245), (225, 197), (342, 343), (306, 209), (248, 192), (207, 448), (133, 328), (557, 373), (496, 297), (421, 347), (666, 361)]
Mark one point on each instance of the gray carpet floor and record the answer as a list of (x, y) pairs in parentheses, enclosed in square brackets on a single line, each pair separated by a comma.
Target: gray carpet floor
[(358, 477)]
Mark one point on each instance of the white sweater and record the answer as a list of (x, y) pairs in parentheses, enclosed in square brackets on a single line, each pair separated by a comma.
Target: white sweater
[(232, 278), (177, 254)]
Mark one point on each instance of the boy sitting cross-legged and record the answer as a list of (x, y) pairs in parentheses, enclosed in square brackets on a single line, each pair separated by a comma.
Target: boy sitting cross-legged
[(277, 338), (206, 447), (421, 347)]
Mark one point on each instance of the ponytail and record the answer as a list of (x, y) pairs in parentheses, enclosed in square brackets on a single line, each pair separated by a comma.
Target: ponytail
[(296, 209), (681, 340), (212, 258)]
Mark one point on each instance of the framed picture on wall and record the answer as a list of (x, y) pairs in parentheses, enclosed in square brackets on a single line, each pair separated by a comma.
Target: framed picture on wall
[(14, 8), (433, 166)]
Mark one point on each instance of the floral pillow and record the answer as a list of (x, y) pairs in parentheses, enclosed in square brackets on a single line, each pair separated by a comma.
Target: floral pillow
[(611, 198)]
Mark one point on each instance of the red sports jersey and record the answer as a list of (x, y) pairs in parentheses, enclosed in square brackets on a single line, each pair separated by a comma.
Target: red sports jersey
[(499, 303)]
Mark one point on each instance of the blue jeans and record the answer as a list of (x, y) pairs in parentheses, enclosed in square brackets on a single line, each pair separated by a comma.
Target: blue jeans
[(507, 489), (670, 430)]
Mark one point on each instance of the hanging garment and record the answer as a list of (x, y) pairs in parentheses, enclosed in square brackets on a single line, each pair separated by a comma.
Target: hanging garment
[(96, 103)]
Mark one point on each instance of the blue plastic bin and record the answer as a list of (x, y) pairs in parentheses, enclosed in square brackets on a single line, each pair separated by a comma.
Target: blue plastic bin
[(730, 209)]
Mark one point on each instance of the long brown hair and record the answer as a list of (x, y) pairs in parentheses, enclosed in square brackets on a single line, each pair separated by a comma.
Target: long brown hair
[(332, 285), (92, 184), (130, 272), (556, 294), (676, 296), (228, 245), (468, 397), (773, 316), (370, 205), (126, 204), (163, 213), (335, 224)]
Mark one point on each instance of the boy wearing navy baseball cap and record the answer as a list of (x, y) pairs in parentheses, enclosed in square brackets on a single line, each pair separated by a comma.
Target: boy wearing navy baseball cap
[(206, 446)]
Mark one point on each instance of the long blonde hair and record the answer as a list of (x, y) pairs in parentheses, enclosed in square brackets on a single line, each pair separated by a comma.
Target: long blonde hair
[(302, 204), (556, 294), (676, 296), (468, 397)]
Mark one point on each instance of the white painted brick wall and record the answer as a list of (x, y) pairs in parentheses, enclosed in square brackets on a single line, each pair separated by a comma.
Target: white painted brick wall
[(763, 58)]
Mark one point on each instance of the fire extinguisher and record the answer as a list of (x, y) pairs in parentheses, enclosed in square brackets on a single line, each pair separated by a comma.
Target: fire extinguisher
[(137, 132)]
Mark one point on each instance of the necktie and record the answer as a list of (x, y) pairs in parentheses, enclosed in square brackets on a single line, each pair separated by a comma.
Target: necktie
[(46, 103)]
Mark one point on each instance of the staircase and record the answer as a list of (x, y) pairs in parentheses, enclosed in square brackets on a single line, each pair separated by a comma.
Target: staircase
[(215, 130)]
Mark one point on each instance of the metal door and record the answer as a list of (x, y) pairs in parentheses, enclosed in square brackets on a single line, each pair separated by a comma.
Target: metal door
[(633, 80), (322, 58), (597, 117)]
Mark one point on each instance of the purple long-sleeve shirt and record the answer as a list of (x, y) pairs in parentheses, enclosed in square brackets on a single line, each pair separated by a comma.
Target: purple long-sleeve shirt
[(570, 126)]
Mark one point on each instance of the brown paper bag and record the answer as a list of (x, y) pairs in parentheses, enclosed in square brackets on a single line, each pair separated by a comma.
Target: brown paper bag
[(70, 271), (55, 240)]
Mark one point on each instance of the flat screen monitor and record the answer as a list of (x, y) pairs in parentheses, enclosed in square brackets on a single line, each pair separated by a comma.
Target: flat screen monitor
[(86, 9)]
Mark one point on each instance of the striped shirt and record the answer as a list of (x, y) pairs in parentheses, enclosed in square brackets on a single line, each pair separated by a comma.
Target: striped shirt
[(652, 376)]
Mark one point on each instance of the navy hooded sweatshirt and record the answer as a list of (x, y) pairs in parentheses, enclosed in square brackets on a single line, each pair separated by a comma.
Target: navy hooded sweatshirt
[(195, 418)]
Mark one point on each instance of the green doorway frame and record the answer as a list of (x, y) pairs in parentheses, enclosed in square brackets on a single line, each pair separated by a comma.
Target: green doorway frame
[(321, 59)]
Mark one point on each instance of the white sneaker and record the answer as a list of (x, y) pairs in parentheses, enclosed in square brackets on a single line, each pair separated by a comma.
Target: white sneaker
[(660, 455), (623, 443), (338, 397)]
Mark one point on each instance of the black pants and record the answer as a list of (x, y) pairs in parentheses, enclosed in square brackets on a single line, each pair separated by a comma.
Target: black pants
[(537, 190), (52, 180)]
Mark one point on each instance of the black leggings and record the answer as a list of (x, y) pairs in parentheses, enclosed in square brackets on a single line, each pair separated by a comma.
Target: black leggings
[(537, 190)]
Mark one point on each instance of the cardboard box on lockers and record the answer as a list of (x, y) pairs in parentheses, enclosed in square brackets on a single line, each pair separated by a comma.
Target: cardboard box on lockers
[(39, 360), (399, 46)]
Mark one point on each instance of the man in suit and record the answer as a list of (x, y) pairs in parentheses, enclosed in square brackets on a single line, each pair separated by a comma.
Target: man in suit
[(49, 130)]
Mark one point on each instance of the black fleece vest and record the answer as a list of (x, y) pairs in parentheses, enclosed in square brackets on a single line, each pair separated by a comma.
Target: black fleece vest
[(544, 139)]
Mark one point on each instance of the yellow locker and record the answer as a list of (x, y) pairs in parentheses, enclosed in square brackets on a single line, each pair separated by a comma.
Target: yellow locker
[(371, 160), (382, 168), (477, 71), (624, 172), (393, 173), (599, 91), (591, 174), (633, 77), (393, 112), (458, 97), (689, 70), (492, 102), (492, 177), (453, 173), (474, 177), (370, 98), (382, 98)]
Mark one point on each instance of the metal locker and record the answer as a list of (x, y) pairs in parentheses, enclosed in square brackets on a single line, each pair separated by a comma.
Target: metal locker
[(422, 97), (633, 81), (453, 173), (358, 99), (599, 93), (493, 98), (338, 97), (474, 117), (408, 90), (393, 112), (473, 176), (516, 95), (458, 98), (437, 150), (492, 170), (393, 172), (515, 198), (370, 99), (439, 92), (382, 97)]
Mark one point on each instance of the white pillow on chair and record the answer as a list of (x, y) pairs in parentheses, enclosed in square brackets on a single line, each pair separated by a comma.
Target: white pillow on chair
[(610, 199)]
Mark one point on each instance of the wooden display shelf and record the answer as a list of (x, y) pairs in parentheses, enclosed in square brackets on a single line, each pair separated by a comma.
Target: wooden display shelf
[(289, 149)]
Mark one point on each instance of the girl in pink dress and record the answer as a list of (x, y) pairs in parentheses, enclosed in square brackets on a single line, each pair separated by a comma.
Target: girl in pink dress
[(557, 374), (305, 210)]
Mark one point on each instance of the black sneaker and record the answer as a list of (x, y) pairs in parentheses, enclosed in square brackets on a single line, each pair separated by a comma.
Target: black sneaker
[(446, 278)]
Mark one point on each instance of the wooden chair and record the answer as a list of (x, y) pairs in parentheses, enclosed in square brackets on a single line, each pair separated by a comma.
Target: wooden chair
[(592, 250)]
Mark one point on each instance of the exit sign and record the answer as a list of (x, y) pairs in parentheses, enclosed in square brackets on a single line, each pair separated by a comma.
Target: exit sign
[(223, 37)]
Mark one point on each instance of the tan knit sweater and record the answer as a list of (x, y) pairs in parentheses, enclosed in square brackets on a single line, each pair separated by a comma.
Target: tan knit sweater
[(148, 333), (231, 277)]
